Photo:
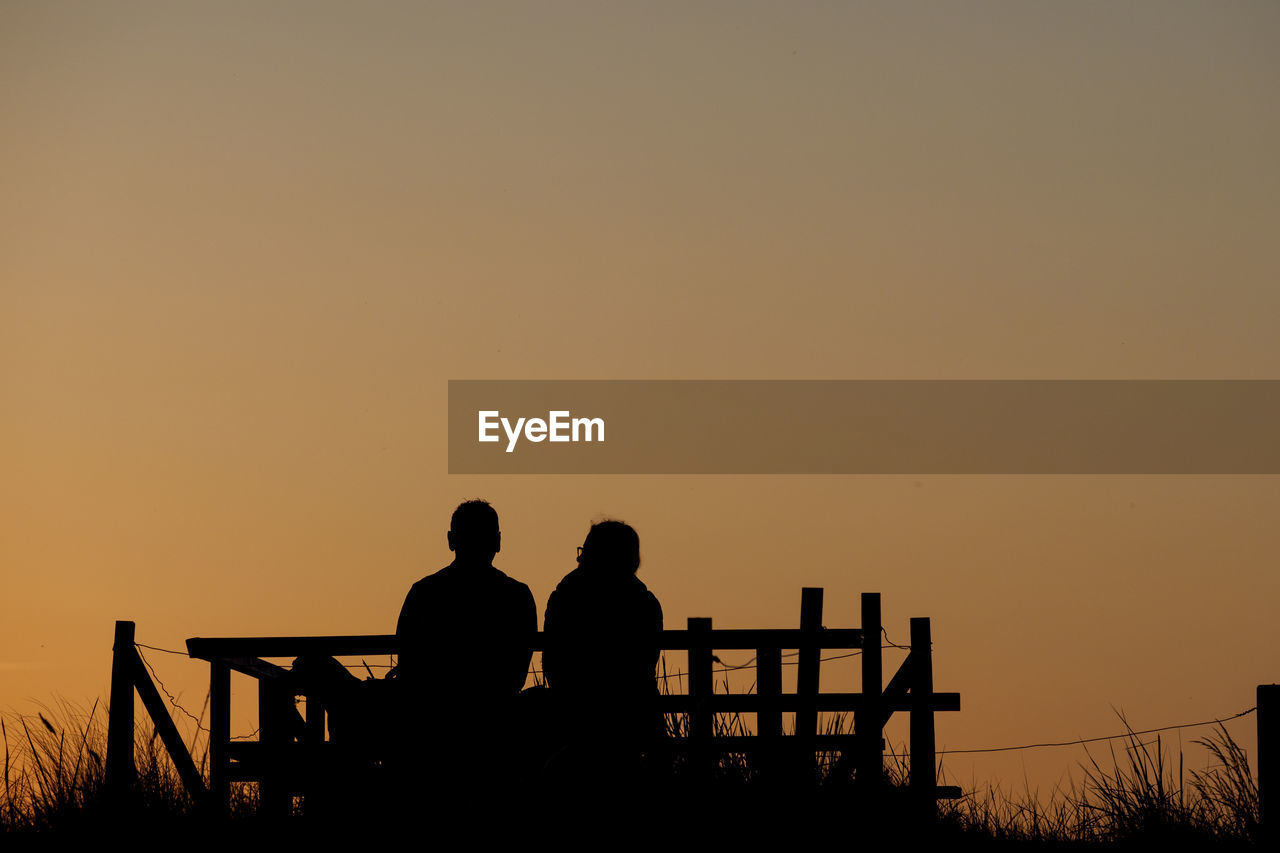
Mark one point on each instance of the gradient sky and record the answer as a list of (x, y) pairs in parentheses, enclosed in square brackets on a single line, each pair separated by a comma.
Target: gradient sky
[(244, 246)]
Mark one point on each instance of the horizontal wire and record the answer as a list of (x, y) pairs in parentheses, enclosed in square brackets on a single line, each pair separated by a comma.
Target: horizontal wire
[(1079, 741), (750, 664), (158, 649)]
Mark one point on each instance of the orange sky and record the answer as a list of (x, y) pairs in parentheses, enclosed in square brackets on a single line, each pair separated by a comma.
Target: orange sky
[(244, 248)]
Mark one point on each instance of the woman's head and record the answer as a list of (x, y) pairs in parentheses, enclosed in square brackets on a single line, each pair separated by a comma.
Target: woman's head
[(611, 546)]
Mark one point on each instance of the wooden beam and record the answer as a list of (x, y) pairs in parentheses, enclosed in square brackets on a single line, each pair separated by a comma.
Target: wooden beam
[(121, 771), (219, 732), (701, 687), (868, 723), (769, 692), (274, 705), (1269, 761), (178, 753), (209, 648), (895, 692), (727, 639), (924, 781), (810, 658), (769, 708), (257, 668)]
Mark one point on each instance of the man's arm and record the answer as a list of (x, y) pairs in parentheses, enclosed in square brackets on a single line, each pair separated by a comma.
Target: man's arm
[(409, 639), (526, 633), (657, 630), (550, 659)]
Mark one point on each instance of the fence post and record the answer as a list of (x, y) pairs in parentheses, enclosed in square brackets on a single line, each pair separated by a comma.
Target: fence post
[(121, 771), (868, 720), (769, 717), (701, 718), (808, 675), (273, 702), (1269, 760), (923, 757), (219, 732)]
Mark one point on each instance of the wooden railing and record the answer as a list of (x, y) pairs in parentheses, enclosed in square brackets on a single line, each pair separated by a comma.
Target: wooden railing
[(910, 690), (289, 745), (282, 730)]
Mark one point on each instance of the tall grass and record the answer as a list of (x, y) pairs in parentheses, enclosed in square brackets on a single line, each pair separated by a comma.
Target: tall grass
[(1140, 795), (1137, 792), (51, 772), (55, 773)]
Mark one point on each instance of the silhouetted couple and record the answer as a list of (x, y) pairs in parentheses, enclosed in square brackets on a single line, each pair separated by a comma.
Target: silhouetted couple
[(466, 636)]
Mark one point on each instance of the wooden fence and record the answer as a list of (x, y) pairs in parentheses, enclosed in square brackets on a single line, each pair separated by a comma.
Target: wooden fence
[(289, 745), (1269, 763), (128, 673)]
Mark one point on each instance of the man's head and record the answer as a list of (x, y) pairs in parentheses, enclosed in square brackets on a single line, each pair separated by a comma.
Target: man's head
[(611, 546), (473, 532)]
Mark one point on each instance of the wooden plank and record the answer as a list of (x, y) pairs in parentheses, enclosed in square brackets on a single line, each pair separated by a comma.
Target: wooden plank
[(810, 657), (832, 702), (750, 702), (273, 734), (296, 763), (1269, 760), (769, 709), (257, 668), (868, 722), (768, 692), (178, 753), (895, 692), (253, 761), (750, 639), (701, 686), (924, 781), (209, 648), (121, 771), (727, 639), (219, 732), (250, 760)]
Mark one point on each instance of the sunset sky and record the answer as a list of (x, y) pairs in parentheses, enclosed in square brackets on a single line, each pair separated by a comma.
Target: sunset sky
[(244, 247)]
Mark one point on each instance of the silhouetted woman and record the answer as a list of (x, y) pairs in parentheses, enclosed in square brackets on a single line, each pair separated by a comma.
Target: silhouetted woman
[(601, 636)]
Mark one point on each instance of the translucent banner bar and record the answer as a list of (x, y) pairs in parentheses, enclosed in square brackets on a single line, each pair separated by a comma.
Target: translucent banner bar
[(864, 427)]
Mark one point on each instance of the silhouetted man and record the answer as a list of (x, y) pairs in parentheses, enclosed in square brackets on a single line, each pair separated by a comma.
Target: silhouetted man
[(466, 635)]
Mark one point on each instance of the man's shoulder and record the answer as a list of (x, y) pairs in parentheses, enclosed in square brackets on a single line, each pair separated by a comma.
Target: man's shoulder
[(510, 586), (434, 580), (454, 581), (489, 576)]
